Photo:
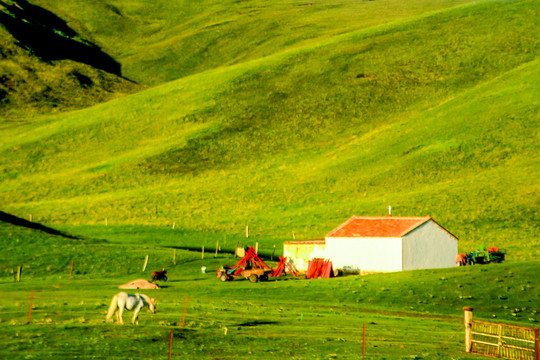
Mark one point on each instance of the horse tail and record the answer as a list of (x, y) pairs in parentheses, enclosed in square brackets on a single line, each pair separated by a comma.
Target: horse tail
[(112, 308)]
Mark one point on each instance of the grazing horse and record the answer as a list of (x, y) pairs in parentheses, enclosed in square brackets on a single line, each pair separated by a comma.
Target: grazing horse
[(135, 302)]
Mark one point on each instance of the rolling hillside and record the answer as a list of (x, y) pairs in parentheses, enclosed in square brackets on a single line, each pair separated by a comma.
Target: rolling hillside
[(48, 67), (163, 40), (433, 109)]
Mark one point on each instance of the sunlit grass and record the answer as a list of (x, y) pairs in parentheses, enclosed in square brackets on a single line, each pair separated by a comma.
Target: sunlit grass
[(433, 114), (405, 314)]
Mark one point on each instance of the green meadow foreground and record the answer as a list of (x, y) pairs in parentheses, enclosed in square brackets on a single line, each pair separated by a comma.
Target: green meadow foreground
[(414, 314)]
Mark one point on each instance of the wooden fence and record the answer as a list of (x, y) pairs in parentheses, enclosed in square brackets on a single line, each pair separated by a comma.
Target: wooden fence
[(500, 340)]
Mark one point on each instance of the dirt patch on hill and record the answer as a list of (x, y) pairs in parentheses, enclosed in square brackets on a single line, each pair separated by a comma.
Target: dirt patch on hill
[(139, 284)]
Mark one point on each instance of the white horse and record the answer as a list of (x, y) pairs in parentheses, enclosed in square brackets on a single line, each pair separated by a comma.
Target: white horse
[(135, 302)]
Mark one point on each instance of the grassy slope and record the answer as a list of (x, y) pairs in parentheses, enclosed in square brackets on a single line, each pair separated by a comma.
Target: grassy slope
[(164, 40), (30, 87), (443, 123)]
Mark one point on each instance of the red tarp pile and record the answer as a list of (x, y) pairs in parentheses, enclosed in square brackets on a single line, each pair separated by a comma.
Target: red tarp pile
[(319, 268), (251, 260), (280, 270)]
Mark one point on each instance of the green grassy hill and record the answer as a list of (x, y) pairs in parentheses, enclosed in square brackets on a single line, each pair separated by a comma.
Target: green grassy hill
[(433, 114), (47, 67), (164, 40), (287, 117)]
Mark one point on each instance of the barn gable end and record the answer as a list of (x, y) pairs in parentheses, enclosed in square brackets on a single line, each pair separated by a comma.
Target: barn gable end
[(429, 246)]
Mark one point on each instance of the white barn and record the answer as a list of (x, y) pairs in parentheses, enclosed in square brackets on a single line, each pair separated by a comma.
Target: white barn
[(384, 244)]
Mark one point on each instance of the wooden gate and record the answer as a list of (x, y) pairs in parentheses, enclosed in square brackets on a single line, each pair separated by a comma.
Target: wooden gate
[(506, 341), (501, 340)]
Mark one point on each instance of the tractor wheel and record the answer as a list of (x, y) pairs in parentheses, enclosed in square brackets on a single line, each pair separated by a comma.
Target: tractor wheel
[(253, 278), (224, 277)]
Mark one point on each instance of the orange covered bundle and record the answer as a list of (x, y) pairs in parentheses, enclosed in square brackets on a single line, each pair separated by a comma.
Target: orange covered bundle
[(319, 268)]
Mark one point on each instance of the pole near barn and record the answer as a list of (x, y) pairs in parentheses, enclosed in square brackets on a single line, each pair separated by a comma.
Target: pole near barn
[(468, 327)]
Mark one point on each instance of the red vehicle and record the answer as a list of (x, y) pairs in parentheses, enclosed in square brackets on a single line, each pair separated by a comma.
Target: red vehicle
[(159, 275), (251, 267)]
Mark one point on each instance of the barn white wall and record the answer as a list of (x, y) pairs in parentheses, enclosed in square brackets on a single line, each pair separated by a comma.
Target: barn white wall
[(366, 254), (429, 247)]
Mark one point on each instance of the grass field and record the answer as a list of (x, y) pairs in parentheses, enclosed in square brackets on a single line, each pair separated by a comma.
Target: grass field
[(286, 317), (287, 117)]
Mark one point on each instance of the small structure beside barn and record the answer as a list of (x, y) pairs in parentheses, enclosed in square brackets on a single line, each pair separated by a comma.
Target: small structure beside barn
[(385, 244), (301, 252)]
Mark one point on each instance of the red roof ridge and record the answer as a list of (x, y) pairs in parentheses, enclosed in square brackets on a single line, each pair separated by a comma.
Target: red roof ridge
[(349, 229), (392, 217)]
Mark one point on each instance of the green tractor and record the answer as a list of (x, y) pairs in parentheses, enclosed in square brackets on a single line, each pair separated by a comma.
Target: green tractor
[(485, 256)]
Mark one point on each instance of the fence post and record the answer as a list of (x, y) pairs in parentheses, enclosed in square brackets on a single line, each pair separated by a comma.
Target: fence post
[(30, 308), (170, 344), (468, 328), (184, 317), (19, 273), (363, 340), (499, 340), (145, 263), (536, 344), (71, 269)]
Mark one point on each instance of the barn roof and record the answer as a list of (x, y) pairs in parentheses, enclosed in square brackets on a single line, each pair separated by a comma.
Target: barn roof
[(373, 227), (306, 242)]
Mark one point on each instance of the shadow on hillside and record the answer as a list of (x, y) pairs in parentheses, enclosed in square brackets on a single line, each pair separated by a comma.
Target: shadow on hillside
[(210, 251), (17, 221), (50, 38), (257, 323)]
